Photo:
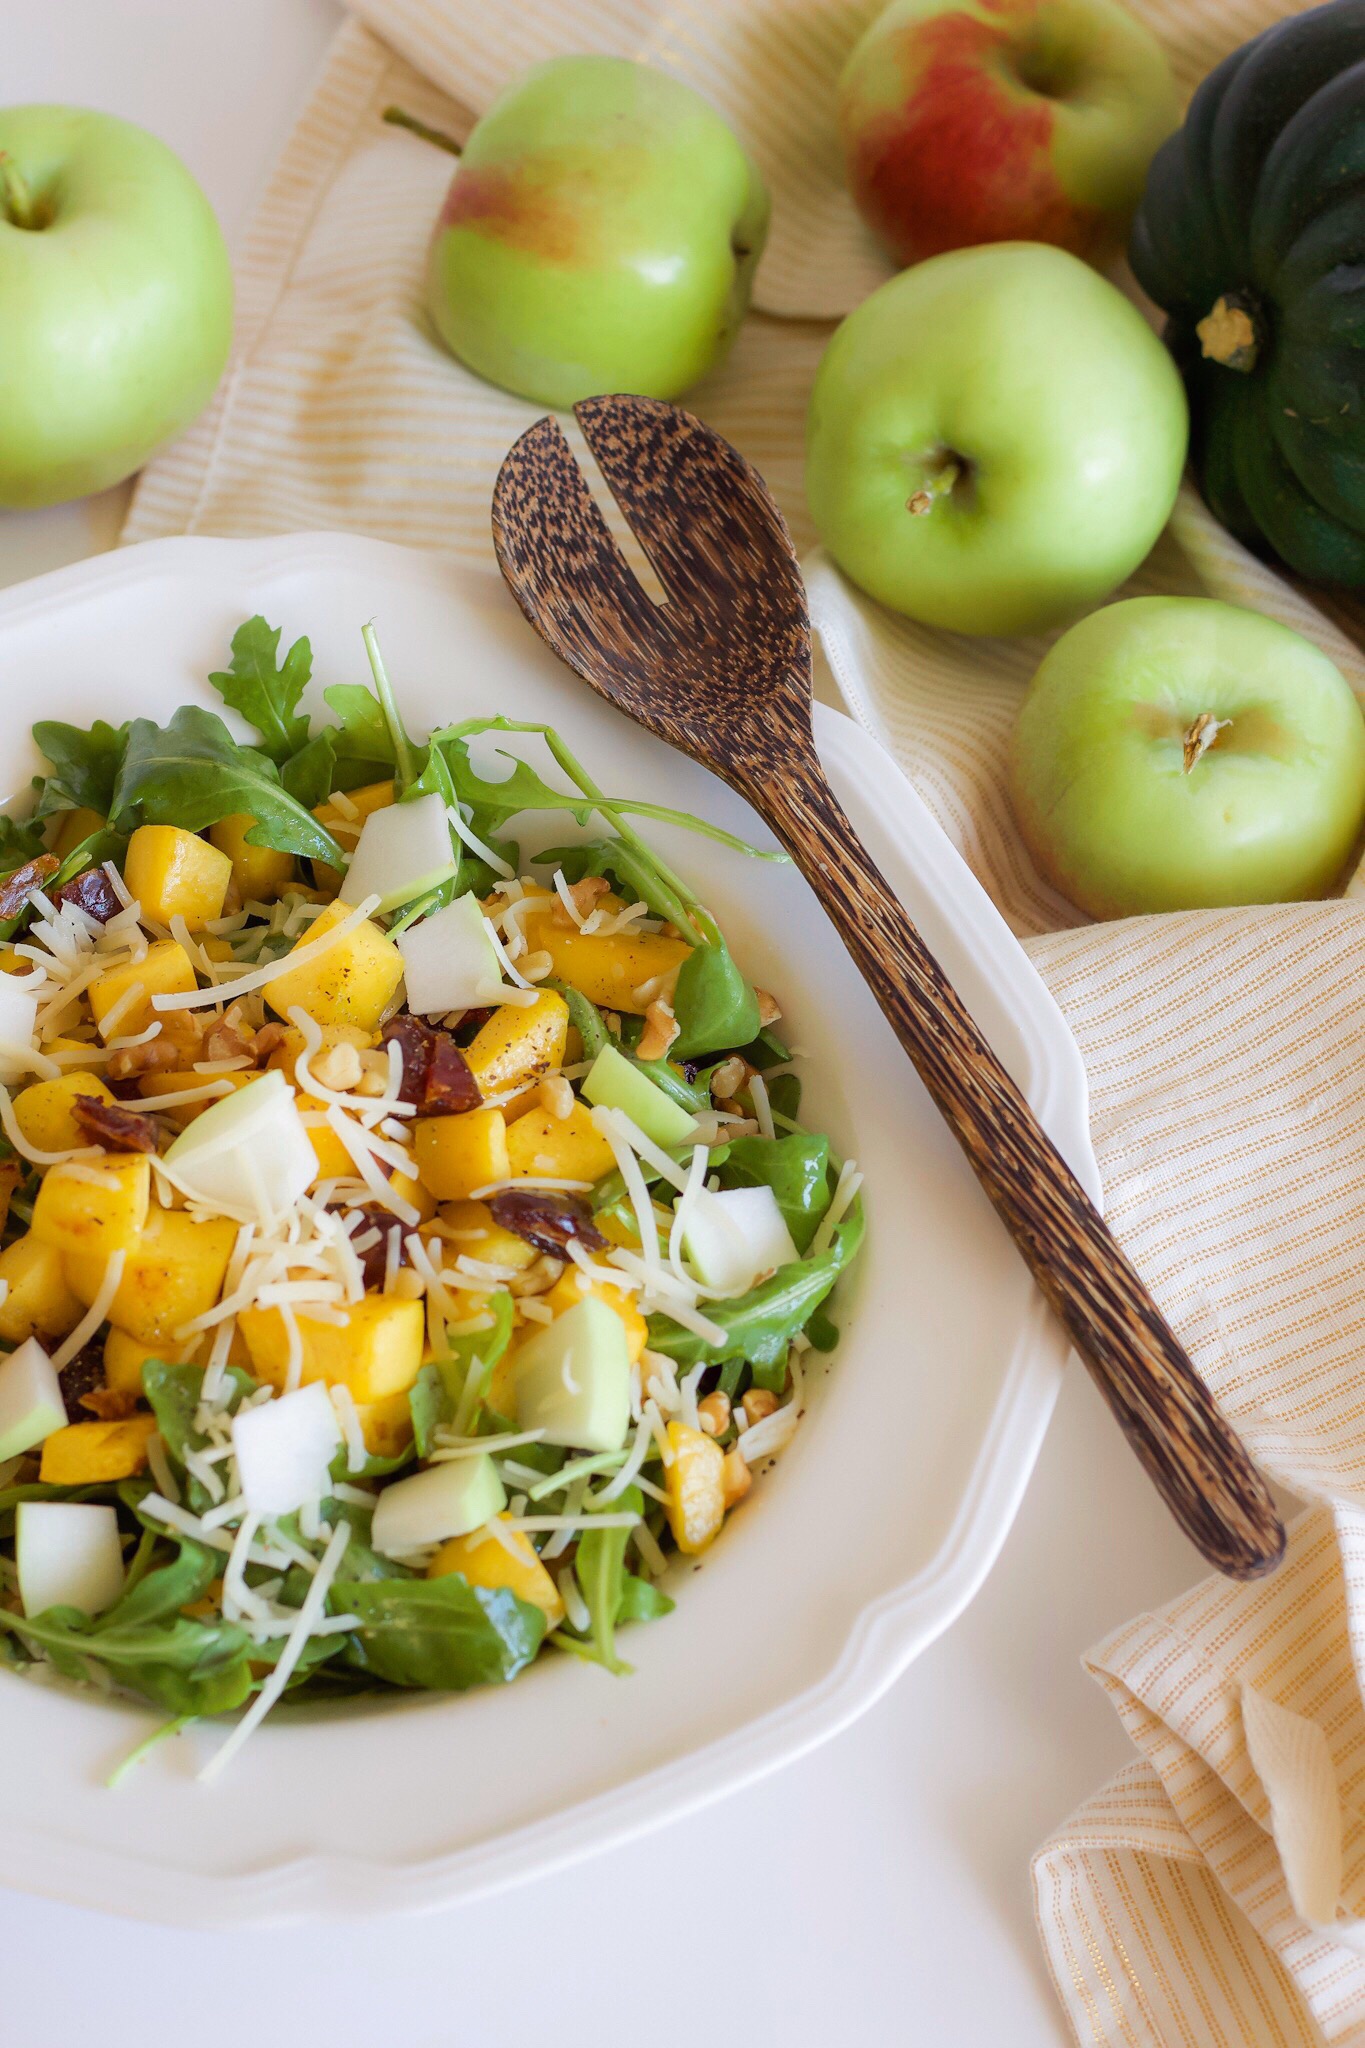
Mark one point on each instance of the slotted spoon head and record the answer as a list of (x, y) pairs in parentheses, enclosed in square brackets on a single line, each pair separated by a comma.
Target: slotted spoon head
[(722, 668)]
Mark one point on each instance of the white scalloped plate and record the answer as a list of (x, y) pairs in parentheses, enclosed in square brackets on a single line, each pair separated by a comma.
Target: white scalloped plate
[(866, 1540)]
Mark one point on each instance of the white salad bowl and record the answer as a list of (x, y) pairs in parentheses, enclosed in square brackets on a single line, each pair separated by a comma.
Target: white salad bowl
[(857, 1548)]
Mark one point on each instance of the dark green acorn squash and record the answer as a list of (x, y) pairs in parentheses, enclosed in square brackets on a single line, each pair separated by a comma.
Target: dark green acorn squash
[(1251, 237)]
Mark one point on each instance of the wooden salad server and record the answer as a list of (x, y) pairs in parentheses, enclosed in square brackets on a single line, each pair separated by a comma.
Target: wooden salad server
[(722, 671)]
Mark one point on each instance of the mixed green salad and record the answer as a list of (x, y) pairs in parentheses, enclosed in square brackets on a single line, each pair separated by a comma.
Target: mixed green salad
[(410, 1249)]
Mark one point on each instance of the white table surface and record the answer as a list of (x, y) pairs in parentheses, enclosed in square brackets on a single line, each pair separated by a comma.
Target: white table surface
[(880, 1887)]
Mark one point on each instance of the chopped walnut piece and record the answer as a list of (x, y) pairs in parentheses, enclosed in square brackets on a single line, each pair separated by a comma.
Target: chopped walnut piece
[(758, 1403), (374, 1074), (337, 1067), (224, 1041), (729, 1077), (585, 895), (155, 1057), (268, 1039), (661, 1028), (714, 1414), (556, 1095), (769, 1009), (538, 1278)]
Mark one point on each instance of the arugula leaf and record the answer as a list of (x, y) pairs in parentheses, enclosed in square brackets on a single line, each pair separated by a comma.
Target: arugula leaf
[(440, 1634), (173, 1394), (584, 1016), (188, 1666), (600, 1568), (641, 1600), (85, 765), (431, 1407), (634, 877), (796, 1168), (493, 803), (20, 840), (265, 692), (360, 739), (165, 1589), (192, 773), (760, 1325), (713, 1003), (308, 774), (476, 1354)]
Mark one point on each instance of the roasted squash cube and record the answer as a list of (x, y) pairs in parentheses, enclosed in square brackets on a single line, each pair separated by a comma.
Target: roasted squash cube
[(458, 1154), (92, 1208), (608, 967), (508, 1561), (91, 1453), (386, 1425), (125, 1356), (174, 1273), (541, 1145), (174, 873), (43, 1111), (38, 1301), (261, 874), (376, 1352), (408, 1189), (352, 981), (166, 970), (693, 1483), (519, 1043)]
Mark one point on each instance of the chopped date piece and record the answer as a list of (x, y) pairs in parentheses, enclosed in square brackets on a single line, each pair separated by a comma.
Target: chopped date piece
[(93, 892), (547, 1220), (362, 1223), (83, 1376), (118, 1130), (16, 888), (436, 1075)]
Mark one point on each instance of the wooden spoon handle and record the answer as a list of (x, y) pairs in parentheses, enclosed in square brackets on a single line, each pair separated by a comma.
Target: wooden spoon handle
[(1196, 1461)]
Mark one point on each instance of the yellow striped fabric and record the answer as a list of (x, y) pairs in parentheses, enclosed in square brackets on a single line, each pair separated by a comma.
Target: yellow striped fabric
[(1224, 1051)]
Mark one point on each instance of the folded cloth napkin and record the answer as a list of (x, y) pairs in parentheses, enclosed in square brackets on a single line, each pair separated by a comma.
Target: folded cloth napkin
[(1211, 1894)]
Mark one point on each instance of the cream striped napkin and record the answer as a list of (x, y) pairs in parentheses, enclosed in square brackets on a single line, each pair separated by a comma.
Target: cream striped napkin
[(1210, 1894)]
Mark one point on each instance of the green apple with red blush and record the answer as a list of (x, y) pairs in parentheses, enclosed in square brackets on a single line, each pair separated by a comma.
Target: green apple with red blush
[(969, 121), (1175, 753), (600, 234)]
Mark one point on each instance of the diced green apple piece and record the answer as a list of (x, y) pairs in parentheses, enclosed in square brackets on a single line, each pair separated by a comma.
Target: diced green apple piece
[(68, 1554), (613, 1082), (573, 1379), (247, 1154), (734, 1236), (403, 850), (444, 1501), (31, 1404), (448, 960)]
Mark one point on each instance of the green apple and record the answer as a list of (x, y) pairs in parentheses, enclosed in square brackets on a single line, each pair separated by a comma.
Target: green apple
[(995, 440), (1174, 753), (601, 234), (117, 298)]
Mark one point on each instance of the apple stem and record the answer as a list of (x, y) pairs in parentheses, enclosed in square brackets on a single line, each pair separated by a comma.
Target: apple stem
[(398, 117), (15, 196), (1201, 737), (939, 484)]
